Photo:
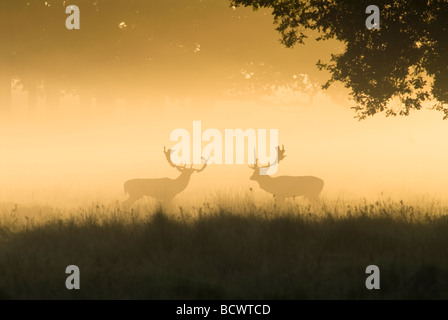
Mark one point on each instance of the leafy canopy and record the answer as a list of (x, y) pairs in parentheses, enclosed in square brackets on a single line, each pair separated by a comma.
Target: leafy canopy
[(407, 58)]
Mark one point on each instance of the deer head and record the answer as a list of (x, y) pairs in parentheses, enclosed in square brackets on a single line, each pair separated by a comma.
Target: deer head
[(280, 156), (183, 169), (282, 187)]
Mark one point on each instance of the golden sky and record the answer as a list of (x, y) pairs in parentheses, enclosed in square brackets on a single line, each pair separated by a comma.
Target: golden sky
[(70, 158)]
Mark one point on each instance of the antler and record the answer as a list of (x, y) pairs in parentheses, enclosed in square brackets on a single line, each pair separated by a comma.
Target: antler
[(280, 153), (255, 166), (168, 158), (280, 156), (203, 167)]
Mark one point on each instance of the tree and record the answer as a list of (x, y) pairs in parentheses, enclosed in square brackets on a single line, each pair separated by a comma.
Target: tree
[(407, 58), (35, 49), (141, 51), (7, 53)]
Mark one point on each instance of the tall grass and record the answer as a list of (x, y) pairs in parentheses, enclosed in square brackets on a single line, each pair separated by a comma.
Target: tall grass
[(231, 247)]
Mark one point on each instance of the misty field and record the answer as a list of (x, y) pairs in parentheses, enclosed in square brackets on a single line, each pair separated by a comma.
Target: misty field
[(234, 249)]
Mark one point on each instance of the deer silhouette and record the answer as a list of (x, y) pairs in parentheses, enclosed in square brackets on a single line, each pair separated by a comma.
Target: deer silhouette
[(164, 189), (287, 186)]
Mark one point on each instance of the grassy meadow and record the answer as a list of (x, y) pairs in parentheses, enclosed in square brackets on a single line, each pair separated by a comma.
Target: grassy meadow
[(231, 248)]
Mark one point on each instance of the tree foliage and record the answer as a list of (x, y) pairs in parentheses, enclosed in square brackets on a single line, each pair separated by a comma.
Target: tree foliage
[(141, 50), (406, 59)]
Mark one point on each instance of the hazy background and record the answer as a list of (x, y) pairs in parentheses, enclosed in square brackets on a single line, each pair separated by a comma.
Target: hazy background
[(94, 107)]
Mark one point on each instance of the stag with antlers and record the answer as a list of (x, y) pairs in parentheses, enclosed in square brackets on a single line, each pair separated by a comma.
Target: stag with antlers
[(164, 189), (287, 186)]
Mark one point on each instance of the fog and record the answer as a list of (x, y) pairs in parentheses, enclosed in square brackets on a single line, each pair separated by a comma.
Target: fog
[(114, 112), (71, 159)]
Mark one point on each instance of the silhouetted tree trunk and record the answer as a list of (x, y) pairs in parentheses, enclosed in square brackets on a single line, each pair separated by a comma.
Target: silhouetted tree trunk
[(105, 103), (5, 93), (85, 100), (52, 95), (32, 94), (155, 105), (133, 103)]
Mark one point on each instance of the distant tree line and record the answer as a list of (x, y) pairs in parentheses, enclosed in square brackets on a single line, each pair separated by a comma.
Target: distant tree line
[(137, 51)]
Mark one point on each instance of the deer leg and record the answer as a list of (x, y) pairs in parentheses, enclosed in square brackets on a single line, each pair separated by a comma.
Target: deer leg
[(168, 201), (130, 201), (279, 199), (313, 199), (167, 204)]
